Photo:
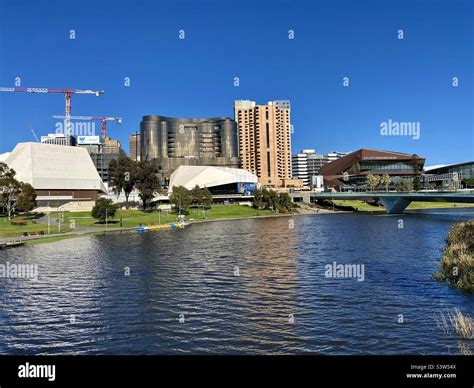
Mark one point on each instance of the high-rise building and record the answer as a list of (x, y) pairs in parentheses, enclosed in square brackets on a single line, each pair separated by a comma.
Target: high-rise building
[(134, 148), (299, 167), (307, 164), (101, 153), (172, 142), (265, 140)]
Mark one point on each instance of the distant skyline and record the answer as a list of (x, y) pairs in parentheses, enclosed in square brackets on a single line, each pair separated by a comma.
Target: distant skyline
[(390, 80)]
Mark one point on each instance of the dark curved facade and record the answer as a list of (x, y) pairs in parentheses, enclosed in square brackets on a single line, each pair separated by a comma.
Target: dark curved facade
[(352, 169), (171, 142)]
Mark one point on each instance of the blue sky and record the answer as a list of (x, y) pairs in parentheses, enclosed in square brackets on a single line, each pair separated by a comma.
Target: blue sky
[(389, 78)]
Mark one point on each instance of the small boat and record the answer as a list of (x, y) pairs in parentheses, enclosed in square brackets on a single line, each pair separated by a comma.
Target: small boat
[(174, 225)]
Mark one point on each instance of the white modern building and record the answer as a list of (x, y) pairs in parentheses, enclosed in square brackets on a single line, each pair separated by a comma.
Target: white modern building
[(58, 139), (307, 164), (218, 180), (58, 174), (299, 167)]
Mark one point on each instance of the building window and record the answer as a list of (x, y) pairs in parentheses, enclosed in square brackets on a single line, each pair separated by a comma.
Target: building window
[(268, 135), (268, 164)]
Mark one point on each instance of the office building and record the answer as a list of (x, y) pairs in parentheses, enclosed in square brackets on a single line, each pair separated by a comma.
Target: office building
[(134, 147), (265, 140), (308, 163), (101, 153), (172, 142)]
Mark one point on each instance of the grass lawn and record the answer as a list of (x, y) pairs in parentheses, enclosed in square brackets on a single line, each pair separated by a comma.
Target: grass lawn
[(358, 205), (364, 207), (136, 217), (226, 211), (437, 205), (8, 230)]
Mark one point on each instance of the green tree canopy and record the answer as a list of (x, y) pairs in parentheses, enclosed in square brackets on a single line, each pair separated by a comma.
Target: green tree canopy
[(10, 188), (181, 199), (373, 181), (404, 185), (104, 208), (124, 174), (386, 180), (148, 183), (27, 198)]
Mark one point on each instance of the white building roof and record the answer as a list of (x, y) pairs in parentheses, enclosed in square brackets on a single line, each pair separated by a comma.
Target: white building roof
[(209, 176), (54, 167)]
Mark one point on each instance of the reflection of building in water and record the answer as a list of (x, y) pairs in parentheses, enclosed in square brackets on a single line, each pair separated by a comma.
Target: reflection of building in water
[(271, 260)]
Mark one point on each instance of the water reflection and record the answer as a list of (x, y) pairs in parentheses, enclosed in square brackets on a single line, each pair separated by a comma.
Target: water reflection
[(245, 286)]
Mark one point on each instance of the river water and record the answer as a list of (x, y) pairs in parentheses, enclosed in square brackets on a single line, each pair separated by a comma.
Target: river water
[(254, 286)]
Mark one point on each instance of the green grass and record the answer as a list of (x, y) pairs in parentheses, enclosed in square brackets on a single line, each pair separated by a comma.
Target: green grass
[(131, 218), (364, 207), (8, 230), (357, 205), (437, 205), (226, 211)]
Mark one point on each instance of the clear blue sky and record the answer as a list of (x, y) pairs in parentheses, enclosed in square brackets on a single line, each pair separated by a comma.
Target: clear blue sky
[(402, 80)]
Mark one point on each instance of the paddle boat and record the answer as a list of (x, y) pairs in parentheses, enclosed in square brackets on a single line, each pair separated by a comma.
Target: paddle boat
[(174, 225)]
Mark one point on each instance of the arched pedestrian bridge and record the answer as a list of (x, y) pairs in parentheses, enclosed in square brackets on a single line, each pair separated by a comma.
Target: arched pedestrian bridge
[(393, 202)]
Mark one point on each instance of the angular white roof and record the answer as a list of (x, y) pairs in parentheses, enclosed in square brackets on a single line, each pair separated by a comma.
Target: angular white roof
[(209, 176), (54, 167)]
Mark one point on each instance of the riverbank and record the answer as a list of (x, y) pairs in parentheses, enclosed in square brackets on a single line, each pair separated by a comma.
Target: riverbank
[(362, 206), (78, 224)]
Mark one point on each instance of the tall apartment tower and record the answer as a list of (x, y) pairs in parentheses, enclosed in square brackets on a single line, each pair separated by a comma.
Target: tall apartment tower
[(134, 147), (265, 140)]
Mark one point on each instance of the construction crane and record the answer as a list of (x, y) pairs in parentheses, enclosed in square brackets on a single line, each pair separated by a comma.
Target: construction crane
[(103, 120), (34, 134), (67, 94)]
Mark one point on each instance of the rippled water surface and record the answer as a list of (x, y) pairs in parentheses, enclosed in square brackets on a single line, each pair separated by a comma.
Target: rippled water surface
[(281, 303)]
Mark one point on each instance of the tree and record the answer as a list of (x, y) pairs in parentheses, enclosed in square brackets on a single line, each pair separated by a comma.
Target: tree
[(258, 202), (9, 187), (103, 208), (417, 171), (386, 180), (180, 198), (123, 176), (373, 181), (27, 198), (271, 200), (285, 203), (206, 200), (196, 196), (404, 185), (147, 182)]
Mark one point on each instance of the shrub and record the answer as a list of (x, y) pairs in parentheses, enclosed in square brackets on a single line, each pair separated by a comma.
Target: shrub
[(457, 263)]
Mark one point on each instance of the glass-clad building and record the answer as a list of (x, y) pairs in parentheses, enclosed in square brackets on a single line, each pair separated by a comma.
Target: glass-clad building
[(350, 171), (460, 174)]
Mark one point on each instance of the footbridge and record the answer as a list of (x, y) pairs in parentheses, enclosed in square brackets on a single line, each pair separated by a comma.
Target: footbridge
[(393, 202)]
